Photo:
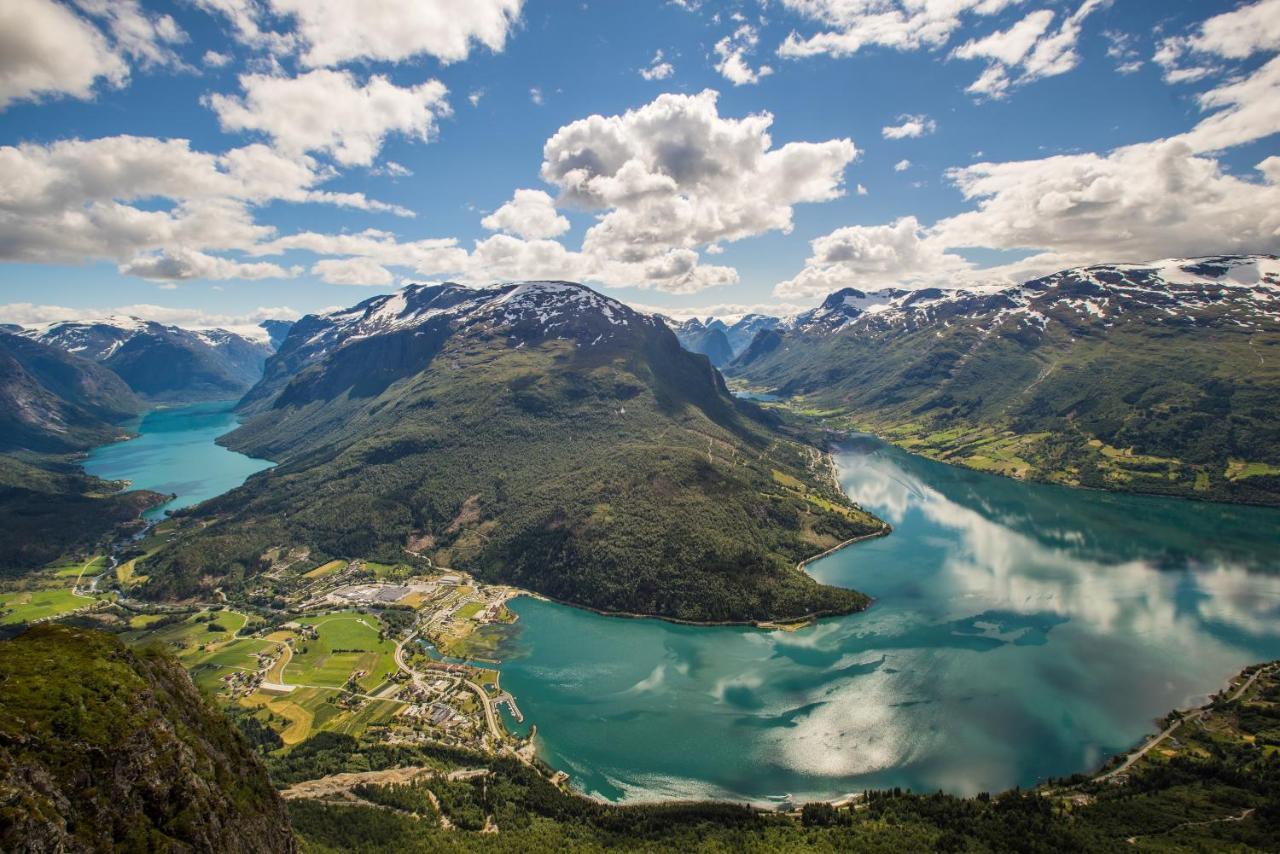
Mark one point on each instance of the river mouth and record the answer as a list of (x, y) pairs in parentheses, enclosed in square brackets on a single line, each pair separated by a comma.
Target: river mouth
[(1020, 632)]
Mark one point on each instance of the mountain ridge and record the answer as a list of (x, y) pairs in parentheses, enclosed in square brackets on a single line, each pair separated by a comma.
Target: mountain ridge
[(1139, 377), (165, 364), (536, 433)]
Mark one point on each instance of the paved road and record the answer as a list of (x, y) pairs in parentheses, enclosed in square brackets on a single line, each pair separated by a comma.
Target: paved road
[(1189, 717)]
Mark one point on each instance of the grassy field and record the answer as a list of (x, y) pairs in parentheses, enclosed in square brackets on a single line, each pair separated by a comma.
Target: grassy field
[(469, 610), (74, 569), (31, 605), (306, 711), (326, 569), (388, 571), (190, 639), (331, 660)]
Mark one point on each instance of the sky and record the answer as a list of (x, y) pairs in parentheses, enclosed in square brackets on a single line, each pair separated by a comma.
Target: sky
[(218, 162)]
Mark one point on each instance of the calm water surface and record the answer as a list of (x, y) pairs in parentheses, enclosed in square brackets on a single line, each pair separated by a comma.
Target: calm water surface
[(1019, 632), (175, 453)]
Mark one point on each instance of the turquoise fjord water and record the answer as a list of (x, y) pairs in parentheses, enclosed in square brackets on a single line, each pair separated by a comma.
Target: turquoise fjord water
[(1019, 631), (175, 453)]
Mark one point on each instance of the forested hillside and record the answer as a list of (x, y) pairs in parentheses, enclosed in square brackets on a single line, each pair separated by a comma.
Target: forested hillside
[(538, 434), (1149, 378), (103, 749), (53, 405)]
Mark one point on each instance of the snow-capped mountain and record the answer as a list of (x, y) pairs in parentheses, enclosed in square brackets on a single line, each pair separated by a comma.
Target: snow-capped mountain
[(395, 334), (159, 362), (1157, 377), (1239, 289), (717, 339)]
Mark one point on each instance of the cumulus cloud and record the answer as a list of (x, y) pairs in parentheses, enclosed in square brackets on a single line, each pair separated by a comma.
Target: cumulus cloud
[(334, 32), (658, 68), (675, 174), (181, 264), (871, 257), (214, 59), (1140, 202), (329, 111), (530, 214), (48, 50), (902, 165), (909, 127), (664, 180), (898, 24), (1168, 197), (733, 51), (352, 271), (1027, 51), (82, 200)]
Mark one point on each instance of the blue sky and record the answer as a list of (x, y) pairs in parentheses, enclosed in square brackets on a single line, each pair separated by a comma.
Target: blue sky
[(217, 161)]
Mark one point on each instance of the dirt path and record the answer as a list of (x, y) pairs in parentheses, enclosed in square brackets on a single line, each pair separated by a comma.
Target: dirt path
[(335, 784)]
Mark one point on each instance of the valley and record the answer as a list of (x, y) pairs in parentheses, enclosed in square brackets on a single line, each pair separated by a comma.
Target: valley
[(342, 659)]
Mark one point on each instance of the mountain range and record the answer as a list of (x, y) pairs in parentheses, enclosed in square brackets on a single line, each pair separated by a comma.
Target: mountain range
[(162, 363), (1158, 378), (718, 340), (52, 406), (538, 434)]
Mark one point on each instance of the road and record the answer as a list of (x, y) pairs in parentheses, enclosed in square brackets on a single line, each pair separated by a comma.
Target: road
[(1168, 731), (490, 718), (488, 709)]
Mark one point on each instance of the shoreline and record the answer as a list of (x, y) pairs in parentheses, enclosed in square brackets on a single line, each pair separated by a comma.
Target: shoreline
[(784, 623)]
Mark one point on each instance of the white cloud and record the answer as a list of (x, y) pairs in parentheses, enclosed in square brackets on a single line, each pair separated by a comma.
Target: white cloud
[(79, 200), (658, 68), (475, 96), (1233, 35), (213, 59), (733, 51), (352, 271), (530, 214), (902, 165), (1246, 109), (535, 95), (31, 314), (871, 257), (48, 50), (1121, 49), (335, 32), (146, 38), (909, 127), (1140, 202), (1009, 46), (862, 191), (329, 111), (1027, 51), (182, 264), (428, 258), (900, 24), (1165, 198), (674, 174)]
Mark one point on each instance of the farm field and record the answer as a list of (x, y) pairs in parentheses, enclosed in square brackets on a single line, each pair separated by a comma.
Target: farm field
[(29, 605), (348, 641)]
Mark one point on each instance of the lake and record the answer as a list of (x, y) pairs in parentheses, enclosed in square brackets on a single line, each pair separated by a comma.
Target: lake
[(175, 453), (1020, 631)]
